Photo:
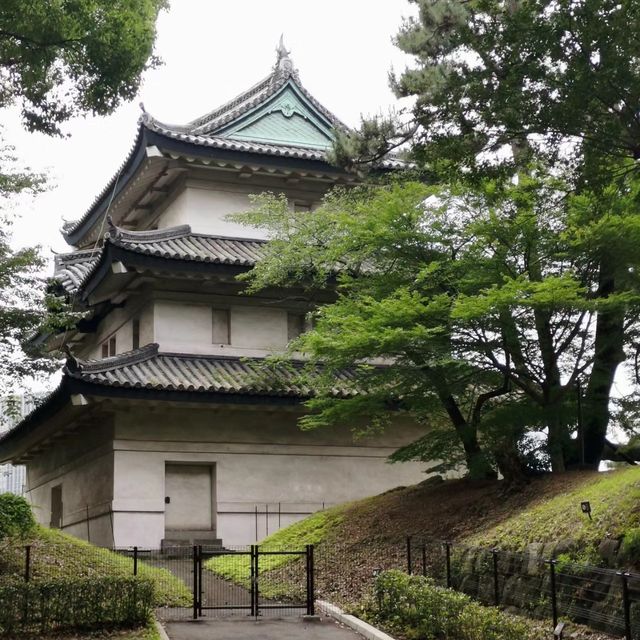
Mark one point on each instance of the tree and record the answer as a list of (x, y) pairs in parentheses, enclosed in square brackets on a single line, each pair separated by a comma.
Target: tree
[(61, 59), (402, 266), (57, 60), (22, 307), (513, 89), (441, 283)]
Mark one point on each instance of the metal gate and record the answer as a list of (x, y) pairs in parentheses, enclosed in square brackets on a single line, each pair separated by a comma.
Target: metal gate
[(213, 593)]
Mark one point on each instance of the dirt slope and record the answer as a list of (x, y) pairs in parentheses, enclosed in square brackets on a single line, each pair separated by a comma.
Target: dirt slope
[(354, 541)]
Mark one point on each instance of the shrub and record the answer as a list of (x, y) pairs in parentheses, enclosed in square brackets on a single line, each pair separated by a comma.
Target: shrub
[(418, 609), (16, 517), (631, 545), (72, 603)]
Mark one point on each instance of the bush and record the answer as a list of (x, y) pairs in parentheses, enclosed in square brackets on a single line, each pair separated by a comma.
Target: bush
[(418, 609), (631, 545), (16, 517), (74, 604)]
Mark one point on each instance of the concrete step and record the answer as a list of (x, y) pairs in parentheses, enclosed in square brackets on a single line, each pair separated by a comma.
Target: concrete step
[(169, 543)]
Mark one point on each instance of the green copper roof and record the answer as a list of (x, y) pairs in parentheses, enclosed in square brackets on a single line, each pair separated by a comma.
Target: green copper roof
[(288, 118)]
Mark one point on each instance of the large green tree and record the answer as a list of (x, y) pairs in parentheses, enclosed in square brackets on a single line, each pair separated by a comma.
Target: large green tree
[(58, 59), (509, 90), (398, 266)]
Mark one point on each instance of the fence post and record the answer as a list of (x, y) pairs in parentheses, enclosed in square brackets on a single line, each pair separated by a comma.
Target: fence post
[(256, 591), (200, 580), (409, 563), (554, 594), (496, 585), (311, 609), (27, 563), (626, 603), (424, 559), (447, 546), (253, 580), (135, 561), (195, 582)]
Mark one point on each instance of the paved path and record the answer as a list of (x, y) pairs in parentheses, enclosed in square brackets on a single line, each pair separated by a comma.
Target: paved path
[(269, 629)]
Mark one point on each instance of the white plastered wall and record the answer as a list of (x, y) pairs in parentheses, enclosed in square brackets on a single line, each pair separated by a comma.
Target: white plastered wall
[(206, 209), (262, 462), (206, 204), (83, 465), (187, 328), (119, 324)]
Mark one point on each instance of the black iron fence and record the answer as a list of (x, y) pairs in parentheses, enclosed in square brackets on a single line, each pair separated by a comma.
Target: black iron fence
[(255, 580), (543, 587), (190, 581)]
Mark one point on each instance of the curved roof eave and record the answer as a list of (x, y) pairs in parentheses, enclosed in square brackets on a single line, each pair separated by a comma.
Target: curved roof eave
[(151, 133), (74, 232)]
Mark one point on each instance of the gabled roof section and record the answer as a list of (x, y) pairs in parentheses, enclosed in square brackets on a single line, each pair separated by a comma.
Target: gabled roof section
[(280, 92), (275, 124)]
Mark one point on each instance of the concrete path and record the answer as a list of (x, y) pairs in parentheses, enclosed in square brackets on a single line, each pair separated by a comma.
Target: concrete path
[(269, 629)]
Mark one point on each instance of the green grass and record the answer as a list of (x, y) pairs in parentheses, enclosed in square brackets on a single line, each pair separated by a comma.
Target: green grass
[(311, 530), (149, 632), (615, 504), (55, 554)]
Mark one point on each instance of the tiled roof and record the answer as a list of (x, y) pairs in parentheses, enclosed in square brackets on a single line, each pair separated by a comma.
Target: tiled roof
[(71, 269), (147, 368), (281, 150), (282, 72), (205, 132), (211, 378), (179, 243)]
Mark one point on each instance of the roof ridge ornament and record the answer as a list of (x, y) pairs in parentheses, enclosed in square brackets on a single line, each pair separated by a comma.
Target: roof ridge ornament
[(113, 231), (284, 65), (72, 363)]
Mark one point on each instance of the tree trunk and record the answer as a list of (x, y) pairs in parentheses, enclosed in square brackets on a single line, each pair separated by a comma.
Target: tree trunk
[(510, 464), (609, 354), (475, 459), (556, 442)]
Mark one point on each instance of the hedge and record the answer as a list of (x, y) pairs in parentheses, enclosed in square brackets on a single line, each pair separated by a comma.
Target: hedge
[(16, 517), (416, 608), (74, 604)]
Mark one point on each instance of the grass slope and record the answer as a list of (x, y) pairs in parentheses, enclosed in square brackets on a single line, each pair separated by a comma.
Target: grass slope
[(55, 554), (615, 505), (356, 540), (311, 530), (145, 633)]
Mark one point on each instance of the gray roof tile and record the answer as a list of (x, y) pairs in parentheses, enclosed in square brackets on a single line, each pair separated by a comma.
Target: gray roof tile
[(73, 270), (281, 150), (147, 368), (180, 243)]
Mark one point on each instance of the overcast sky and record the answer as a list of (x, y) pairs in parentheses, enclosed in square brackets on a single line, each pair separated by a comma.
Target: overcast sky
[(212, 51)]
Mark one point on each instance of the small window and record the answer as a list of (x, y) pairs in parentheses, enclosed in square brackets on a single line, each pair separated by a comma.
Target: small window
[(105, 350), (221, 333), (295, 325), (112, 346), (135, 333), (56, 507)]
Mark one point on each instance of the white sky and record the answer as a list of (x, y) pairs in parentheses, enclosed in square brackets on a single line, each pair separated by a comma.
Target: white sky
[(212, 51)]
